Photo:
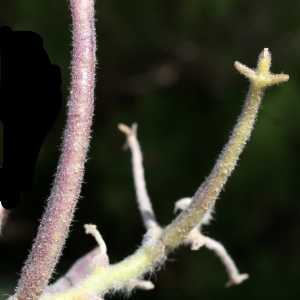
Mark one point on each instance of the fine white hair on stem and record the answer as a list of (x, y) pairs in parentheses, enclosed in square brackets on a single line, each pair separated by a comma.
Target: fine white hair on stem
[(55, 224), (183, 204), (143, 199)]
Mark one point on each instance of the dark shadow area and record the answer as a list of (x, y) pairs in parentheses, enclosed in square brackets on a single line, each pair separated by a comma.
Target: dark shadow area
[(30, 100)]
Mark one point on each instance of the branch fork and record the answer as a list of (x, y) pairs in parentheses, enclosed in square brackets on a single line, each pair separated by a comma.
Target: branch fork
[(198, 240), (92, 275)]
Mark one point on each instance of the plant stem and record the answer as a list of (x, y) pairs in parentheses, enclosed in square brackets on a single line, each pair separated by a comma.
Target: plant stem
[(143, 199), (58, 215), (120, 276), (208, 192)]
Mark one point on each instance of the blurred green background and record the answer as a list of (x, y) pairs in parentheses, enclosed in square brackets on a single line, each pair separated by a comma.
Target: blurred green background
[(168, 65)]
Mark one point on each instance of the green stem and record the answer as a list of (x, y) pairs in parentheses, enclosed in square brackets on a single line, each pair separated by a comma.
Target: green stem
[(208, 192), (119, 276)]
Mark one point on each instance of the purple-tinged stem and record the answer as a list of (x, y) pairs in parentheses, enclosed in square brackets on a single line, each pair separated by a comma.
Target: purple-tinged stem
[(56, 220)]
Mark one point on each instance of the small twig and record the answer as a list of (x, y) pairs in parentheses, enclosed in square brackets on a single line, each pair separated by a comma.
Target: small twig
[(143, 199), (92, 229), (198, 240), (233, 272), (143, 285)]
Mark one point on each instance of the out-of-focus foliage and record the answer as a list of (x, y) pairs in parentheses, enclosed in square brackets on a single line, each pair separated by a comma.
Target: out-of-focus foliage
[(168, 65)]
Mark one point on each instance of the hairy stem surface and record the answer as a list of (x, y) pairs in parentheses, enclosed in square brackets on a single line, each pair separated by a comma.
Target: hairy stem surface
[(208, 192), (119, 276), (56, 220)]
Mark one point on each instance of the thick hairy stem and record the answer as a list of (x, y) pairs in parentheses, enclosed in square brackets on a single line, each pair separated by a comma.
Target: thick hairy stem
[(208, 192), (56, 220)]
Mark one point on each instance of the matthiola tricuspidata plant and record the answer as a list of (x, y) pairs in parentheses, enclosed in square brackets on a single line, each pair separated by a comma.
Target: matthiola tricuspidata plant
[(92, 276)]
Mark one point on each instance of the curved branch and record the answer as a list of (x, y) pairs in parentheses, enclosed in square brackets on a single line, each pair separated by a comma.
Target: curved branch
[(208, 192), (143, 199)]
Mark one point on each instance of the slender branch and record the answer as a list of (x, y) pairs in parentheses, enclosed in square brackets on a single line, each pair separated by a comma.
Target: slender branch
[(143, 199), (58, 215), (232, 270), (208, 192), (198, 240), (92, 229)]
